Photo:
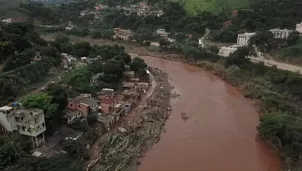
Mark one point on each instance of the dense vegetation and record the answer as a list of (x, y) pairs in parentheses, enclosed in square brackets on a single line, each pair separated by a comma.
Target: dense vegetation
[(278, 94), (263, 15), (26, 59)]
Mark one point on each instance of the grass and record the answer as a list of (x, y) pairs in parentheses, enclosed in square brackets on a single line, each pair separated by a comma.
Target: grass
[(214, 5), (8, 8)]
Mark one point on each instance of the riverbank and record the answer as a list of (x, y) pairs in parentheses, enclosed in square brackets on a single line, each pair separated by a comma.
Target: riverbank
[(123, 150), (273, 91)]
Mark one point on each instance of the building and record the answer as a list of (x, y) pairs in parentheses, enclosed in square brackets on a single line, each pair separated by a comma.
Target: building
[(28, 122), (162, 33), (31, 122), (123, 34), (106, 93), (281, 34), (7, 118), (95, 78), (83, 104), (243, 38), (226, 51), (299, 28), (71, 115), (70, 26)]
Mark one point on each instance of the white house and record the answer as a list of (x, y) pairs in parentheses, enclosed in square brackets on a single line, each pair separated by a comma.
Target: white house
[(281, 33), (226, 51), (299, 28), (243, 38), (28, 122)]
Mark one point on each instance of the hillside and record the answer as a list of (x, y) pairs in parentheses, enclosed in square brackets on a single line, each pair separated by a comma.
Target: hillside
[(214, 5), (8, 8)]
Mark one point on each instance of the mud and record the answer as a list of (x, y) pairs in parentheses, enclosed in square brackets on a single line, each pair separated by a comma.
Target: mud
[(219, 132)]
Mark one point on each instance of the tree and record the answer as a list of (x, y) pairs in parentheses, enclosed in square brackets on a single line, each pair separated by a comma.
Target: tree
[(58, 94), (264, 41), (214, 49), (11, 150), (138, 65), (41, 101), (81, 49), (239, 57), (293, 38), (163, 43), (113, 70)]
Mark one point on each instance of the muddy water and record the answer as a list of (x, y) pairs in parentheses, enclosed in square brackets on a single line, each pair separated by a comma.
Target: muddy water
[(220, 132)]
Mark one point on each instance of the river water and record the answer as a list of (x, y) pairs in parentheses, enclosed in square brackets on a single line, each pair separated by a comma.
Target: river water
[(220, 132)]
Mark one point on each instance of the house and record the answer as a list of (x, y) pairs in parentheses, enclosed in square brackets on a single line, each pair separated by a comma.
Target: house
[(226, 51), (281, 33), (106, 93), (28, 122), (31, 122), (70, 26), (83, 104), (14, 20), (129, 74), (162, 33), (71, 115), (122, 34), (107, 120), (106, 104), (299, 28), (128, 85), (243, 38), (95, 78)]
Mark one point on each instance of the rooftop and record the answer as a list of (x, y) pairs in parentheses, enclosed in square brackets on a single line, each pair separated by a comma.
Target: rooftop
[(247, 34), (6, 108), (83, 99)]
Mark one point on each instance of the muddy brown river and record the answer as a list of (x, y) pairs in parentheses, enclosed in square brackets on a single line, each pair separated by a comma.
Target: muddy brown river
[(219, 133)]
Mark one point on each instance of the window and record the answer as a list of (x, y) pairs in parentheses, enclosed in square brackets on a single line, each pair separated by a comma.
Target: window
[(43, 124), (79, 105)]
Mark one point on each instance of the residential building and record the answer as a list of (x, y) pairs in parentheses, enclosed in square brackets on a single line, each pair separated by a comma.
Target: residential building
[(123, 34), (70, 26), (83, 104), (243, 38), (7, 118), (226, 51), (281, 33), (106, 93), (107, 104), (31, 122), (129, 74), (95, 78), (128, 85), (299, 28), (71, 115), (28, 122), (162, 33)]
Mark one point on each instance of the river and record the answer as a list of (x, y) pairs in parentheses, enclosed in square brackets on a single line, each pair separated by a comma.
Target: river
[(220, 132)]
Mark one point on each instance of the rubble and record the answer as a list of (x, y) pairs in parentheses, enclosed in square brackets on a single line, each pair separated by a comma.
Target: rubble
[(122, 150)]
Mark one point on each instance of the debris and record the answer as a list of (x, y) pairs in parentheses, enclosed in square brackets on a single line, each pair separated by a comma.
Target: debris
[(184, 116)]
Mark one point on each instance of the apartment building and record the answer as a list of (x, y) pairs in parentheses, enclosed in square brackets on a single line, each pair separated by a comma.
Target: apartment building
[(281, 33), (28, 122)]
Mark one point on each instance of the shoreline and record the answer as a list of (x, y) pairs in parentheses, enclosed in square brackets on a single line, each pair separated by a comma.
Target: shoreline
[(125, 150)]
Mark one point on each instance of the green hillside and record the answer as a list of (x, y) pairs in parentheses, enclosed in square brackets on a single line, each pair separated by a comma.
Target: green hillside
[(8, 8), (214, 5)]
